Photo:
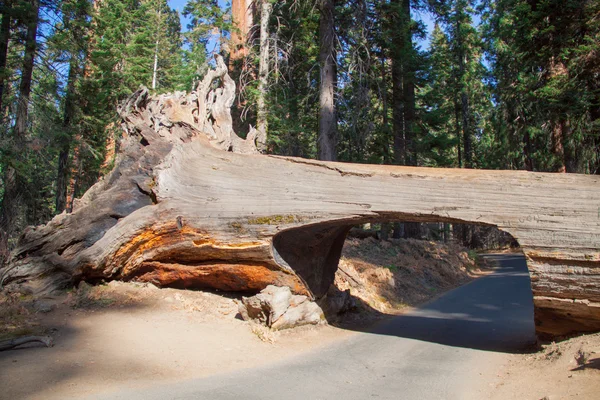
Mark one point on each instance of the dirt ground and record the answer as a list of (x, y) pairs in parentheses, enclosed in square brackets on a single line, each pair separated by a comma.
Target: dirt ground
[(565, 370), (390, 275), (127, 334)]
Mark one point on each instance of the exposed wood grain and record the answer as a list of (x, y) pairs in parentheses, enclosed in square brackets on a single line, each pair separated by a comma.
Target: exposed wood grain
[(179, 210)]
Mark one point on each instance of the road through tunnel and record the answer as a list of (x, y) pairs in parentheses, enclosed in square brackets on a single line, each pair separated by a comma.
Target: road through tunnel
[(314, 251)]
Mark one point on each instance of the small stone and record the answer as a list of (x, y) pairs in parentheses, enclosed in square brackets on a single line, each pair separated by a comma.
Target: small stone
[(44, 307), (277, 308)]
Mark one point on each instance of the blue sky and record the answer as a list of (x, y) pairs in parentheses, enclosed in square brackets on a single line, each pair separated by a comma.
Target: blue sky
[(179, 4)]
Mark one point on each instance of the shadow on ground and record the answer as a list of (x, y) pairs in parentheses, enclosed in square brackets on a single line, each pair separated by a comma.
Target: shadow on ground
[(591, 364), (50, 367), (492, 313)]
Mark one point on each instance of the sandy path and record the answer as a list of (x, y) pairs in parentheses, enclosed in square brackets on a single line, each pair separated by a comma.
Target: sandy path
[(102, 349)]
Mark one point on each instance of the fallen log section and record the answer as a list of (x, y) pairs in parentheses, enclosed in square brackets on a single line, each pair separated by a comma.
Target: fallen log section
[(190, 204)]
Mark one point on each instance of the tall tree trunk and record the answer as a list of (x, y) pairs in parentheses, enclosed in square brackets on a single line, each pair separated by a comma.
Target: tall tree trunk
[(263, 75), (386, 125), (63, 157), (12, 188), (155, 66), (27, 72), (398, 103), (403, 81), (457, 131), (528, 151), (468, 156), (4, 38), (464, 97), (242, 14), (74, 176), (408, 86), (326, 142), (158, 32), (384, 99), (557, 145)]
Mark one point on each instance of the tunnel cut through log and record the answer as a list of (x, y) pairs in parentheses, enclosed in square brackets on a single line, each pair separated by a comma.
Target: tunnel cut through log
[(191, 204)]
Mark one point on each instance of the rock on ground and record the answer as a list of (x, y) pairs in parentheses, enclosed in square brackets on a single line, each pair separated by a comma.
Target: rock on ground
[(277, 308)]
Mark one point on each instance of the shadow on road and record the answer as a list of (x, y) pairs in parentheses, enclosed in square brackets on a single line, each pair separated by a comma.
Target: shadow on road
[(493, 313)]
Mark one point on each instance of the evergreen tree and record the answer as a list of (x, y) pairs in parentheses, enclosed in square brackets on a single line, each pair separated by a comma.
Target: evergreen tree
[(13, 172), (544, 60), (293, 97), (209, 24)]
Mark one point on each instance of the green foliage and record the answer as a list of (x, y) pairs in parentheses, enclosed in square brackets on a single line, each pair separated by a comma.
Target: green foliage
[(293, 93), (207, 21), (545, 65), (392, 268)]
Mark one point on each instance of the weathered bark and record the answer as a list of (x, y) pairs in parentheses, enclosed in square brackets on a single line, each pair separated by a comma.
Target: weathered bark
[(242, 13), (263, 75), (327, 137), (180, 210)]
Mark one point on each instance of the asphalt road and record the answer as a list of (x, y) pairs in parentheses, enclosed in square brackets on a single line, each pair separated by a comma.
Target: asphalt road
[(436, 351)]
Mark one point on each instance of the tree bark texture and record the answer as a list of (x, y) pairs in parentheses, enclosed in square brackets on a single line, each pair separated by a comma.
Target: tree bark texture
[(327, 137), (181, 209), (263, 75), (242, 15)]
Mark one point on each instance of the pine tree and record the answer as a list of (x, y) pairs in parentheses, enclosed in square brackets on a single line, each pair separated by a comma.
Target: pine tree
[(12, 176), (441, 142), (543, 59), (293, 97), (208, 24)]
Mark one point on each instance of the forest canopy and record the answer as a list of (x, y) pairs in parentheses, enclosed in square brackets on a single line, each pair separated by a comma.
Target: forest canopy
[(502, 84)]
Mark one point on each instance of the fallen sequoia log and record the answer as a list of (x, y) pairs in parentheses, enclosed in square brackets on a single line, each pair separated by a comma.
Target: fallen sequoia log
[(190, 204)]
